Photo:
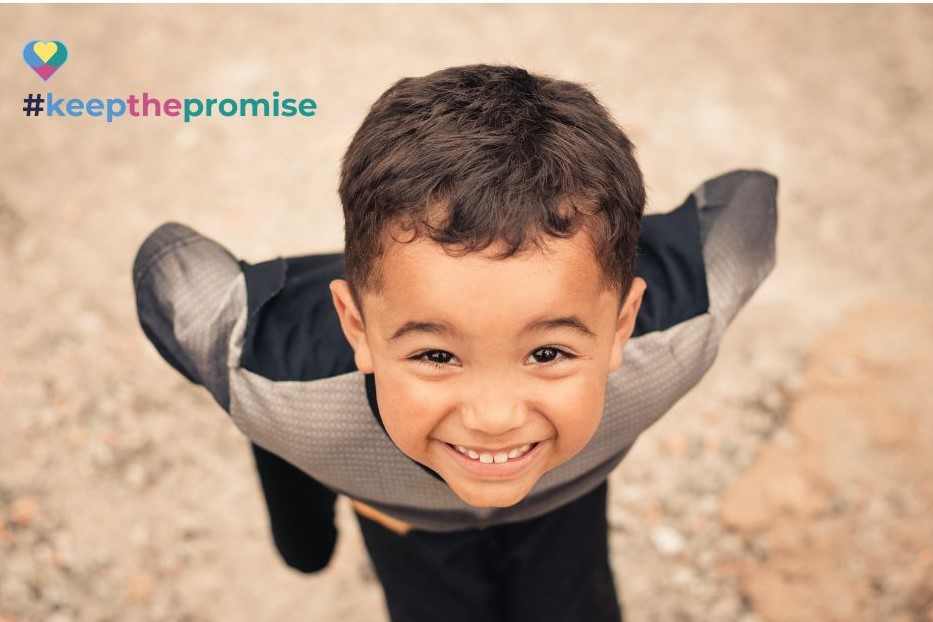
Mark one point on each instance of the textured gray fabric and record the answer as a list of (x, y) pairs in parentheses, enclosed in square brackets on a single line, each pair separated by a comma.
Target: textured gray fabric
[(190, 292), (325, 427)]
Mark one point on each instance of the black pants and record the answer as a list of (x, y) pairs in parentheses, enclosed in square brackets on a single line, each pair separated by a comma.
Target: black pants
[(554, 568)]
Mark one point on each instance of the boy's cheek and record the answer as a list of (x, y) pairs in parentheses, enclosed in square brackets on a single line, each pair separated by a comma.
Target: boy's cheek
[(575, 432), (583, 433), (575, 405)]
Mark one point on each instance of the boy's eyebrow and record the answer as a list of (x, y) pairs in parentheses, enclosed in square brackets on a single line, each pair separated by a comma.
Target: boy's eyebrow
[(564, 321), (439, 328), (435, 328)]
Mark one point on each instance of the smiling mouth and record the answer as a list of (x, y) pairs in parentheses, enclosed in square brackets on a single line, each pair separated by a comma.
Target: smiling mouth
[(501, 456)]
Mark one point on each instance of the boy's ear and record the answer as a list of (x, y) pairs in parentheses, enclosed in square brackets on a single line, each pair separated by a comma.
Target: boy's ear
[(626, 322), (351, 321)]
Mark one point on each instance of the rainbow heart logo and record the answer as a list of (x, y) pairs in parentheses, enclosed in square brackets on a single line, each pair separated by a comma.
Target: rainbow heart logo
[(45, 57)]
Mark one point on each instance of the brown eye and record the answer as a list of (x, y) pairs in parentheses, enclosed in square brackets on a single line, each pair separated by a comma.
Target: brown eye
[(547, 354), (438, 356), (434, 358), (550, 355)]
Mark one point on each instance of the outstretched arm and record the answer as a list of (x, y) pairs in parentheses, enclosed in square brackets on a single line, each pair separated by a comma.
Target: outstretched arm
[(191, 299)]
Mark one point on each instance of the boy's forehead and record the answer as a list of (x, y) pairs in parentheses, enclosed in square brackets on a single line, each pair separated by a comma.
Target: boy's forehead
[(420, 277)]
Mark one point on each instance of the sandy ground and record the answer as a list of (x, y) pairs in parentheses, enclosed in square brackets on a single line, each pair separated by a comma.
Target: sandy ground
[(793, 484)]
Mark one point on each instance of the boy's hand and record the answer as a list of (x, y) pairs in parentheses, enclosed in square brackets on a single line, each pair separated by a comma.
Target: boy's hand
[(392, 524)]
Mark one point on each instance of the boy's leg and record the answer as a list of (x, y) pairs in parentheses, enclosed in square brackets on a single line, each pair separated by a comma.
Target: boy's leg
[(555, 568), (427, 576), (301, 512)]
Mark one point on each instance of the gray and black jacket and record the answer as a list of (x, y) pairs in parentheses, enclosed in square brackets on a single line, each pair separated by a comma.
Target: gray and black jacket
[(265, 340)]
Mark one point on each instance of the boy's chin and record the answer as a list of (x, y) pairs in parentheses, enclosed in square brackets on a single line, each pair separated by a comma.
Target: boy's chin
[(491, 495)]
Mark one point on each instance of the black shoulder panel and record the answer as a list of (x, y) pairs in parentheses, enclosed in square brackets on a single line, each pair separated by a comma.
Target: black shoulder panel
[(670, 259), (293, 332)]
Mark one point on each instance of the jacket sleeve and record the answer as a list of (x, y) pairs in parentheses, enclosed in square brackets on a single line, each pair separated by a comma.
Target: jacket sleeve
[(190, 296), (702, 263), (737, 215)]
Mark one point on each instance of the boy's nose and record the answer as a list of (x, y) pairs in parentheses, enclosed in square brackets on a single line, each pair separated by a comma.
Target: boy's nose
[(494, 415)]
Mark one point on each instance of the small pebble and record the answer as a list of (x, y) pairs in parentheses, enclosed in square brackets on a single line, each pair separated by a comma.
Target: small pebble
[(667, 540)]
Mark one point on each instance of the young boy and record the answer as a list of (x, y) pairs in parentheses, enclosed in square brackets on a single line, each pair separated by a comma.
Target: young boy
[(501, 327)]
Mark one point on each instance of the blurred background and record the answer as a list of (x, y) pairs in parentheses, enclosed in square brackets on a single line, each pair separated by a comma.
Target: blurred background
[(793, 483)]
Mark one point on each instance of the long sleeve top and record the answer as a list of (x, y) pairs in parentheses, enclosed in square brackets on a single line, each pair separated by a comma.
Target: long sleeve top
[(265, 341)]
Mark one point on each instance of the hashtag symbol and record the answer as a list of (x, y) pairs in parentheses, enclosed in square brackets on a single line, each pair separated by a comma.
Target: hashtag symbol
[(33, 104)]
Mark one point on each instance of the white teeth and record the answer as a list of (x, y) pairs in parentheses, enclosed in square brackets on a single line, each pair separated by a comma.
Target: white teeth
[(498, 457)]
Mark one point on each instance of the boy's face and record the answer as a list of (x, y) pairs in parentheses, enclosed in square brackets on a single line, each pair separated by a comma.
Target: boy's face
[(505, 360)]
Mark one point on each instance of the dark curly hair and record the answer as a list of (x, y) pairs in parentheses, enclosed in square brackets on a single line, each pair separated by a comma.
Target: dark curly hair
[(477, 154)]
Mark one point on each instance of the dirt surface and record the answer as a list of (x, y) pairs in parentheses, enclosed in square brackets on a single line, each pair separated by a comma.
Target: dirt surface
[(793, 483)]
